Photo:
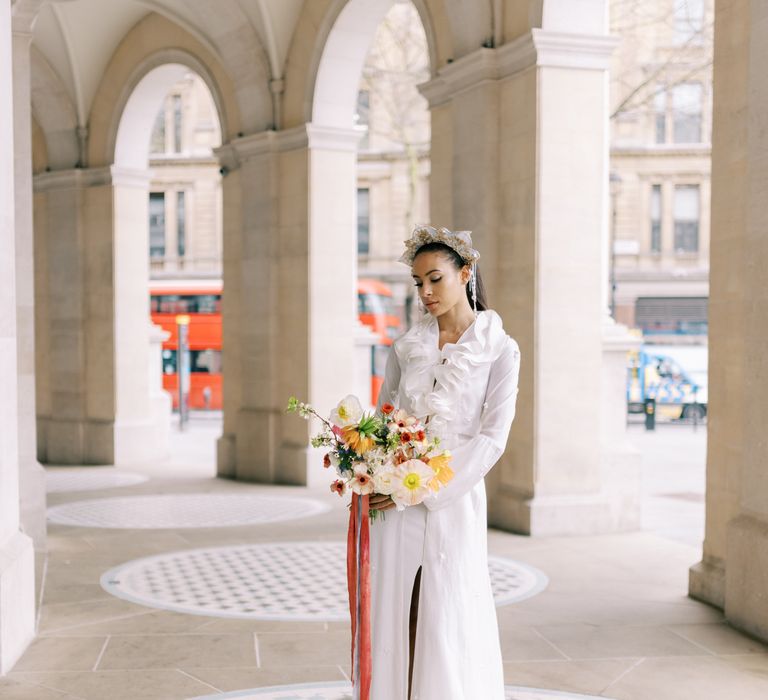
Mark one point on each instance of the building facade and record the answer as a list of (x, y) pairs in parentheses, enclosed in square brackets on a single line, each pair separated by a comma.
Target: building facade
[(185, 190), (661, 106)]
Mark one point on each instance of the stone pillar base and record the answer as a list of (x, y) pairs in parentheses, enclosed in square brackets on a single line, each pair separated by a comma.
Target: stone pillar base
[(141, 441), (616, 509), (17, 599), (706, 581), (225, 456), (33, 503), (77, 441), (746, 593)]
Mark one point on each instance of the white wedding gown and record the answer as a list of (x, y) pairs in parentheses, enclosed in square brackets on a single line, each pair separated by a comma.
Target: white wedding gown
[(468, 389)]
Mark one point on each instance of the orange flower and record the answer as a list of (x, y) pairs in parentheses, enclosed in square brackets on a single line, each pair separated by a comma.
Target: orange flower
[(405, 437), (339, 487), (420, 435), (326, 460), (359, 443), (443, 473), (387, 408)]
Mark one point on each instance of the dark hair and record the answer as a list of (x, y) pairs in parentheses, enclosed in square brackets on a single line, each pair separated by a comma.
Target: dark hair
[(458, 263)]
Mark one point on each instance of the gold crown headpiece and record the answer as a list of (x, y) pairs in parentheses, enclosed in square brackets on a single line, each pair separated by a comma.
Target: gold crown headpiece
[(460, 241)]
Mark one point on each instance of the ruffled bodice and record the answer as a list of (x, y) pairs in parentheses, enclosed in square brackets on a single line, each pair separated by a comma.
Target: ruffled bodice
[(448, 385)]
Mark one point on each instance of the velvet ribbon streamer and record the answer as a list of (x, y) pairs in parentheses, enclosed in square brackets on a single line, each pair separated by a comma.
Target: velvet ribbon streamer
[(359, 587)]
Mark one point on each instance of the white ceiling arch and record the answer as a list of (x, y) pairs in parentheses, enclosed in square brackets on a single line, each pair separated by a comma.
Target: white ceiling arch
[(250, 42)]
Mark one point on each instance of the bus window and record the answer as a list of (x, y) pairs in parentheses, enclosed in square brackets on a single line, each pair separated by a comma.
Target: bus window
[(169, 361), (208, 361), (185, 303)]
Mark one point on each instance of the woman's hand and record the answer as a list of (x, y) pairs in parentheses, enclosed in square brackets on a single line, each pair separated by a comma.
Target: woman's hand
[(380, 501)]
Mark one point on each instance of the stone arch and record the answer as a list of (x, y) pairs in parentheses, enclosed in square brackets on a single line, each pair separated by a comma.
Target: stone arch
[(319, 39), (54, 113), (142, 51), (39, 148)]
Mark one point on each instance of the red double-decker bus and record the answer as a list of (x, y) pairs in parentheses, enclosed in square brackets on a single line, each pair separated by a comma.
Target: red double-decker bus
[(201, 301)]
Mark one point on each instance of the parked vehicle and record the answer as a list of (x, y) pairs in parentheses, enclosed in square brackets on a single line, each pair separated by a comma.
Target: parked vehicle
[(374, 305), (653, 372), (201, 301)]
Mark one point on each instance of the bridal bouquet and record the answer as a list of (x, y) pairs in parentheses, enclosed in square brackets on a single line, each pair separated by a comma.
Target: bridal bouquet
[(387, 452)]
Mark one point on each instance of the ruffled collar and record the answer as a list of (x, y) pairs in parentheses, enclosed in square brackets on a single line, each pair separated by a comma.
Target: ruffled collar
[(432, 378)]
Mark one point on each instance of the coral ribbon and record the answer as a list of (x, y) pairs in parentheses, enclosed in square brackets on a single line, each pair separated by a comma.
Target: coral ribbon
[(359, 587)]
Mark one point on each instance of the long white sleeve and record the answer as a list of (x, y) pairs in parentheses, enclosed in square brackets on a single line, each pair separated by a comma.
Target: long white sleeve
[(389, 388), (472, 460)]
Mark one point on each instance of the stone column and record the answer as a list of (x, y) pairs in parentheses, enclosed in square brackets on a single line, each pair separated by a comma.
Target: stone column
[(31, 474), (519, 156), (17, 561), (289, 295), (732, 573), (91, 226)]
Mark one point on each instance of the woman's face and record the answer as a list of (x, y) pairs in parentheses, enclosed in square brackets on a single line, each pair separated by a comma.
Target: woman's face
[(439, 284)]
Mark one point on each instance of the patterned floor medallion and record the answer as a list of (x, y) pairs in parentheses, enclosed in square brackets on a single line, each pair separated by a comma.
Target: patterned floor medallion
[(184, 510), (343, 691), (272, 581), (66, 479)]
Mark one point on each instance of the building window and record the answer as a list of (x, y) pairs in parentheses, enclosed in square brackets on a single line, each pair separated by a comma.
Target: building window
[(177, 123), (156, 224), (678, 113), (686, 213), (686, 106), (656, 218), (157, 143), (688, 21), (660, 112), (181, 224), (362, 116), (363, 220)]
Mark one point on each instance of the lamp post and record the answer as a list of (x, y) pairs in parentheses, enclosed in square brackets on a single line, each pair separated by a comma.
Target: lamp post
[(183, 367)]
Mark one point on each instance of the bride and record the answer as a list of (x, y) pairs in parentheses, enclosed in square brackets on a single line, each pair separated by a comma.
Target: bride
[(457, 369)]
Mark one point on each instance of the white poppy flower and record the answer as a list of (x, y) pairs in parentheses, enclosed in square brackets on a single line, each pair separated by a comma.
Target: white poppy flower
[(348, 412), (411, 482)]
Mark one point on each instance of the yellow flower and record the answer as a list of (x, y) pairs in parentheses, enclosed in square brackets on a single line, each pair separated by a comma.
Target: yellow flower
[(443, 473), (358, 442)]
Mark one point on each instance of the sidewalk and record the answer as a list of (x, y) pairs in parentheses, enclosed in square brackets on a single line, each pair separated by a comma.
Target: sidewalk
[(613, 620)]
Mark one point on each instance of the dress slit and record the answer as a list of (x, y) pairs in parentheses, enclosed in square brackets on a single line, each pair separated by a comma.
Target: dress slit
[(413, 616)]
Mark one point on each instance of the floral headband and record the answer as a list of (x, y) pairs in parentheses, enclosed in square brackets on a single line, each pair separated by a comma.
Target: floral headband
[(460, 241)]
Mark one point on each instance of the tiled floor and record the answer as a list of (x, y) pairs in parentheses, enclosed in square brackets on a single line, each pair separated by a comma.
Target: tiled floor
[(614, 621)]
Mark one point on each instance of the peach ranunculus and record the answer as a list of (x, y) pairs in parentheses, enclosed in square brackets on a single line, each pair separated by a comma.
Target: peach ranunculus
[(339, 487), (403, 420)]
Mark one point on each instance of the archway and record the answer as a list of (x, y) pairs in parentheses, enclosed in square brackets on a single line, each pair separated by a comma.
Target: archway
[(142, 198), (372, 60)]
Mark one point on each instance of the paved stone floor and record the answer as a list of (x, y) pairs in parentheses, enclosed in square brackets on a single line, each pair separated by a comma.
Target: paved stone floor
[(613, 620)]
